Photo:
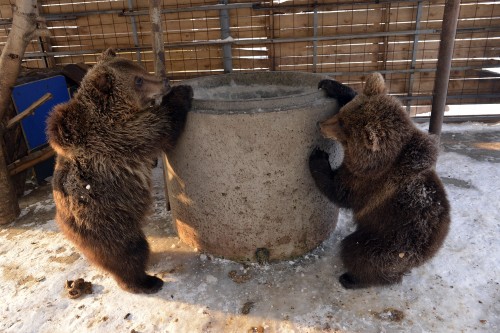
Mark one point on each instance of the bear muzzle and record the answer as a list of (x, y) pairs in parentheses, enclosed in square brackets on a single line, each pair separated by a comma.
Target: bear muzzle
[(331, 129)]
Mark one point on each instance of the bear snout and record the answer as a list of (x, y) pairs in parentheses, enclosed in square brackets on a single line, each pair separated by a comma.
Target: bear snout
[(331, 129)]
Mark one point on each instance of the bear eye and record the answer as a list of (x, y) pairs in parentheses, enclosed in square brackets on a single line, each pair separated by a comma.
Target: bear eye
[(138, 81), (341, 123)]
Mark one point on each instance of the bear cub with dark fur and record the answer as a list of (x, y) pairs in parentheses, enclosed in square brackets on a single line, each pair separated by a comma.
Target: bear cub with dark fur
[(107, 138), (387, 179)]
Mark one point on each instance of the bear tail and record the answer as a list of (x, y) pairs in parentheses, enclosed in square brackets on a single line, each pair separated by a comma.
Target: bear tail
[(374, 85)]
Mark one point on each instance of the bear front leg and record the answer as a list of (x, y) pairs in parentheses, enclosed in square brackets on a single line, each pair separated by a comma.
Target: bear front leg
[(337, 90), (177, 102), (328, 181)]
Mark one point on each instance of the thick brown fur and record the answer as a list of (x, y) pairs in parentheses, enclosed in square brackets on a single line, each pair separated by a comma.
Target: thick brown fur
[(106, 138), (387, 179)]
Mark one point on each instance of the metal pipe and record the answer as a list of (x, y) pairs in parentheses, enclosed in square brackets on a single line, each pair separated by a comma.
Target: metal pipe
[(328, 4), (271, 41), (461, 119), (419, 70), (445, 55), (225, 35), (253, 5), (414, 53), (461, 96), (315, 35), (134, 32), (264, 41)]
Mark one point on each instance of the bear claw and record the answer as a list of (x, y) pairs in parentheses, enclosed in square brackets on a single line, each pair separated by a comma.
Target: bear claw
[(348, 281), (318, 154)]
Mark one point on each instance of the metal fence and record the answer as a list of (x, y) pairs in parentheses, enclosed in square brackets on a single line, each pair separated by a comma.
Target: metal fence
[(345, 39)]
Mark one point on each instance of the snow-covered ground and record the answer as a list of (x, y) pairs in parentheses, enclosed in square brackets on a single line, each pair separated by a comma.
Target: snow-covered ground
[(458, 291)]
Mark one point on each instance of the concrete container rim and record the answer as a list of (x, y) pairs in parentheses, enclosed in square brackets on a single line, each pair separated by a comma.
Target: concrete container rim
[(305, 80)]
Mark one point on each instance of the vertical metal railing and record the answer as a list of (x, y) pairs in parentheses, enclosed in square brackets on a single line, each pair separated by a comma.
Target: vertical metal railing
[(411, 78), (315, 41), (135, 35), (225, 33), (445, 56)]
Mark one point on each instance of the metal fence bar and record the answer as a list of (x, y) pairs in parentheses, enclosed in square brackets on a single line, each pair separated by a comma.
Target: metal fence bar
[(134, 32), (225, 32), (329, 4), (253, 5), (315, 41), (418, 17), (445, 55), (461, 119), (462, 96), (416, 70)]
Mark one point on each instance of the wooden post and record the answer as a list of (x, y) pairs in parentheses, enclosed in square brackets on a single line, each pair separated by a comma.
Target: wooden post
[(159, 61), (24, 20), (45, 44), (157, 34)]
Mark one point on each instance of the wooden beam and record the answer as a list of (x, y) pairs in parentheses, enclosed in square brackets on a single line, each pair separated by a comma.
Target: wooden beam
[(160, 68), (29, 110), (30, 160)]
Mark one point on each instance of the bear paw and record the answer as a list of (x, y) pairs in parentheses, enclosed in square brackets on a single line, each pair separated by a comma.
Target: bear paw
[(152, 284), (348, 281), (337, 90), (319, 161), (148, 285), (319, 154), (179, 97)]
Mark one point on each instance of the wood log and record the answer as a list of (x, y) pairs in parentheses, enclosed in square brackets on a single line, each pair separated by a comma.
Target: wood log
[(30, 160), (29, 110), (23, 31)]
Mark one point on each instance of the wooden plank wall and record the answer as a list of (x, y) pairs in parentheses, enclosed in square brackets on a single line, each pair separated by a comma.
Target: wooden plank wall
[(354, 38)]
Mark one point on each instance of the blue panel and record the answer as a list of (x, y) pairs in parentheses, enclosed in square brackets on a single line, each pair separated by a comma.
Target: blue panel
[(26, 94)]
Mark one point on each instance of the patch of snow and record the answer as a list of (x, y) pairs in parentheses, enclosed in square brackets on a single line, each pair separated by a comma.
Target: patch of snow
[(457, 291)]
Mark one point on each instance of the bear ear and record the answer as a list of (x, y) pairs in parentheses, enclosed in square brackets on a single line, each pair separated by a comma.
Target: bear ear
[(107, 54), (371, 138), (103, 82), (374, 85)]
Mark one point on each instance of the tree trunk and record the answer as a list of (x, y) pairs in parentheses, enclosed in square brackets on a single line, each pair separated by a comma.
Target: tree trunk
[(25, 15)]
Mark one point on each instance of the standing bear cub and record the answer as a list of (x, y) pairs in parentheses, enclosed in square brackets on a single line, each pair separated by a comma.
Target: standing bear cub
[(387, 179), (107, 138)]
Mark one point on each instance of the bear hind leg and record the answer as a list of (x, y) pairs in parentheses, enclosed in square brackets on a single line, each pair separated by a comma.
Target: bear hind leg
[(367, 263), (124, 259), (129, 272)]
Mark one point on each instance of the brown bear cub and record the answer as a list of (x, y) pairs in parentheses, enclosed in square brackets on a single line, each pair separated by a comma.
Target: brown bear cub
[(107, 138), (387, 179)]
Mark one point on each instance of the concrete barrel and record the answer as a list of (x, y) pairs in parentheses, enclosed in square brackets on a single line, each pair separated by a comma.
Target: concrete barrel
[(238, 181)]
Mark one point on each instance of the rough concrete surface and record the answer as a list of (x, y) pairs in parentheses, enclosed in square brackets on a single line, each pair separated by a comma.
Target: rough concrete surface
[(239, 182)]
